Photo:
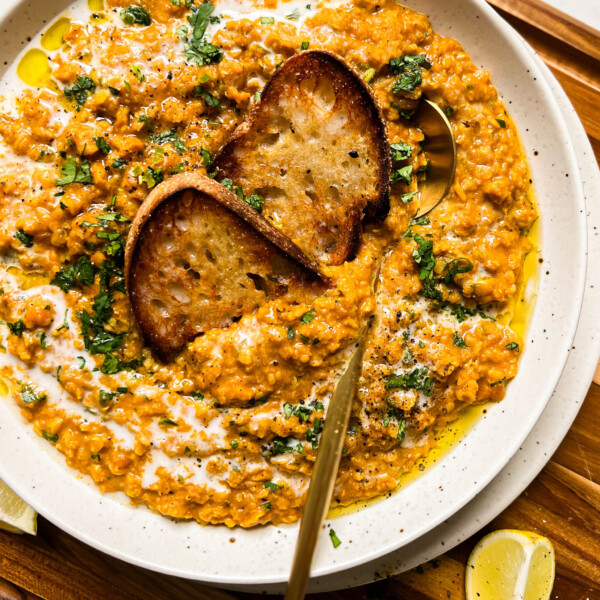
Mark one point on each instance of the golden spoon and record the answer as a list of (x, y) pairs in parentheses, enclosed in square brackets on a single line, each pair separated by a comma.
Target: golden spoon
[(441, 152)]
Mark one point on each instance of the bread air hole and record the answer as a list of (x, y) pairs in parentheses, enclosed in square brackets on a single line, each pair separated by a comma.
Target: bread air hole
[(182, 222), (260, 283), (324, 95), (159, 307), (270, 139), (179, 293)]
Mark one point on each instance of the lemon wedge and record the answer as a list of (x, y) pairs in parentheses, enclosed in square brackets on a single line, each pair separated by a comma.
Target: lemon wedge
[(510, 565), (15, 515)]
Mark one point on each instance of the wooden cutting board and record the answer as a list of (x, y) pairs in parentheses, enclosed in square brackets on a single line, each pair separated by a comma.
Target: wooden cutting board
[(563, 503)]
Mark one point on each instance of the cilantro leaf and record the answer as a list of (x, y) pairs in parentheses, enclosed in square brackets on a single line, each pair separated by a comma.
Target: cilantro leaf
[(79, 90), (408, 71), (72, 172), (135, 15), (30, 396), (308, 316), (24, 238), (335, 540), (209, 99), (401, 151), (196, 49), (416, 379), (102, 145), (17, 328), (403, 174)]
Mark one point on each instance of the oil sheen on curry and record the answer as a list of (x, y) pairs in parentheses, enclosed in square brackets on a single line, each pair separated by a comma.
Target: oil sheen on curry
[(115, 98)]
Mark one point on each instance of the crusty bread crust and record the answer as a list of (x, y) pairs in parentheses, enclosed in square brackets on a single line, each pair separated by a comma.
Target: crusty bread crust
[(198, 257), (315, 148)]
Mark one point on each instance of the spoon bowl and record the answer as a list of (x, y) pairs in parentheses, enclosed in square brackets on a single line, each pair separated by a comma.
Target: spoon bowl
[(441, 154)]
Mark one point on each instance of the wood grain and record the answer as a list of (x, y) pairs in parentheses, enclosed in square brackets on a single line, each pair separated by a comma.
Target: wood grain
[(554, 23)]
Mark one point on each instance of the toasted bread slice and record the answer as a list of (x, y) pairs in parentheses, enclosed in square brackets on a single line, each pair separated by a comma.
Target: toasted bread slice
[(193, 262), (315, 148)]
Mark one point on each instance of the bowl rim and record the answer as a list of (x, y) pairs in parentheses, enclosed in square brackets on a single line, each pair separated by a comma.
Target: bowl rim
[(30, 491)]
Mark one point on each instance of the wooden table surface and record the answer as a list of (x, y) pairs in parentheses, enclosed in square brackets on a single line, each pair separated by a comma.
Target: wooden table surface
[(563, 502)]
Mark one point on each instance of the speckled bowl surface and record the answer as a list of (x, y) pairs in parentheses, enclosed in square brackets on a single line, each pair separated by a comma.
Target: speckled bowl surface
[(263, 555)]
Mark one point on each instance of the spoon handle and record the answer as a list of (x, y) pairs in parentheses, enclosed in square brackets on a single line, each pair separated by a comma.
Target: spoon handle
[(318, 498)]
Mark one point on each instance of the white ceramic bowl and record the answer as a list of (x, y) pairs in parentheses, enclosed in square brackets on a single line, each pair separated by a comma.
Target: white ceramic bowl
[(263, 555)]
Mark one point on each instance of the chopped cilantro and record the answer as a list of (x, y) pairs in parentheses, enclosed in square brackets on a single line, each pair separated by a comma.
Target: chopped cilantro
[(407, 69), (309, 316), (135, 15), (423, 256), (455, 267), (401, 430), (24, 238), (151, 177), (30, 396), (290, 333), (312, 434), (42, 338), (302, 412), (95, 457), (169, 422), (79, 90), (458, 341), (502, 123), (403, 174), (501, 382), (206, 157), (114, 91), (118, 163), (417, 380), (209, 99), (49, 436), (266, 506), (304, 45), (448, 110), (400, 151), (72, 172), (513, 346), (138, 73), (102, 145), (17, 328), (404, 114), (234, 444), (280, 446), (408, 197), (335, 540), (197, 49), (80, 273), (273, 487)]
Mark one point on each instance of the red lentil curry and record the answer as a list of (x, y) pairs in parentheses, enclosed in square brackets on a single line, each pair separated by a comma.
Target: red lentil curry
[(228, 431)]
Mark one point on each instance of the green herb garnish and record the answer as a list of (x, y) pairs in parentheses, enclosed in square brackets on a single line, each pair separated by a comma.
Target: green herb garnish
[(79, 90), (24, 238), (407, 69), (74, 172), (335, 540), (135, 15), (417, 380), (196, 49), (17, 328)]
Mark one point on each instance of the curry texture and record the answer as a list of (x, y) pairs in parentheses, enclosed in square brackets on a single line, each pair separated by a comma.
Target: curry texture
[(228, 431)]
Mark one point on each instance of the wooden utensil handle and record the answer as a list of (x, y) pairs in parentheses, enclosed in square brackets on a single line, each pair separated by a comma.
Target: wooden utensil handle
[(554, 22)]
